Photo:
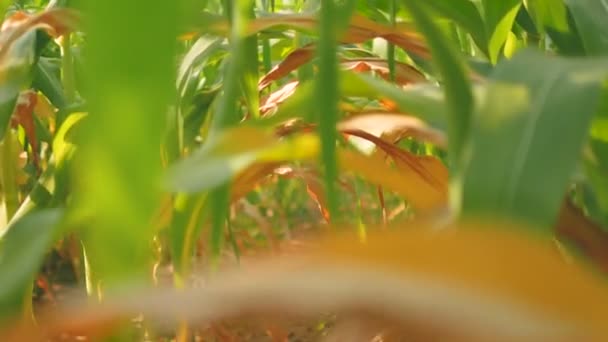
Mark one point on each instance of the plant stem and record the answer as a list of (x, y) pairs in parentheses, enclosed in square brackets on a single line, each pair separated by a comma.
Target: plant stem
[(266, 49), (391, 47), (67, 69), (251, 74), (226, 116), (8, 173), (327, 95)]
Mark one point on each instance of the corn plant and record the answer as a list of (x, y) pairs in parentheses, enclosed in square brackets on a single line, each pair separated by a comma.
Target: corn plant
[(445, 164)]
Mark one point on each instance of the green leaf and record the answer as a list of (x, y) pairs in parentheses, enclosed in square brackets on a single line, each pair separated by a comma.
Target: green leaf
[(22, 250), (200, 50), (130, 77), (230, 152), (591, 17), (47, 80), (326, 92), (425, 101), (596, 165), (529, 131), (548, 13), (187, 221), (499, 16), (452, 69), (465, 14)]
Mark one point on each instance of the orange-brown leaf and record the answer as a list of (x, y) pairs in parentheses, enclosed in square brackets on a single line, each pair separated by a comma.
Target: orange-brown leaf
[(422, 189), (56, 22), (276, 98), (394, 126), (290, 63), (404, 73)]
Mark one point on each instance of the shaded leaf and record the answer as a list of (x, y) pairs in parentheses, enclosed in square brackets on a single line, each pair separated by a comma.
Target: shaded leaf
[(573, 227), (591, 17), (465, 14), (452, 70), (200, 50), (47, 80), (517, 169), (21, 252), (548, 13)]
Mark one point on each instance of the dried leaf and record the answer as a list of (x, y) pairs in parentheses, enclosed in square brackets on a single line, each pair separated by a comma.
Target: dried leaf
[(572, 226), (55, 21), (275, 99), (291, 62), (394, 126), (24, 116), (404, 73)]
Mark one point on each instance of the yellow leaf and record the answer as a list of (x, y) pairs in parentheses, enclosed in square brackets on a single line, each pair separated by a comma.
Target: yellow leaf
[(407, 182), (495, 261)]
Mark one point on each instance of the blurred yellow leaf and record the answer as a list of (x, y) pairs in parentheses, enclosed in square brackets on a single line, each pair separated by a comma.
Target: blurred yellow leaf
[(408, 182), (474, 281), (495, 261)]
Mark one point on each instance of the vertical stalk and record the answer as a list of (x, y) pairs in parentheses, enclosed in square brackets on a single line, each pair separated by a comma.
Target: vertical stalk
[(327, 95), (67, 69), (8, 175), (305, 72), (390, 51), (225, 116), (266, 50), (251, 74)]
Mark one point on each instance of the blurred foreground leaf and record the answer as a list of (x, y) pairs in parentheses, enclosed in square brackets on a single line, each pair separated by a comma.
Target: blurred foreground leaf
[(474, 282)]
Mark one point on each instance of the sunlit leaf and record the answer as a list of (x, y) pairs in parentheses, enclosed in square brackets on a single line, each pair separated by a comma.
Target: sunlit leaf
[(411, 183), (130, 74), (221, 159), (393, 127), (499, 17), (405, 73), (360, 30)]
